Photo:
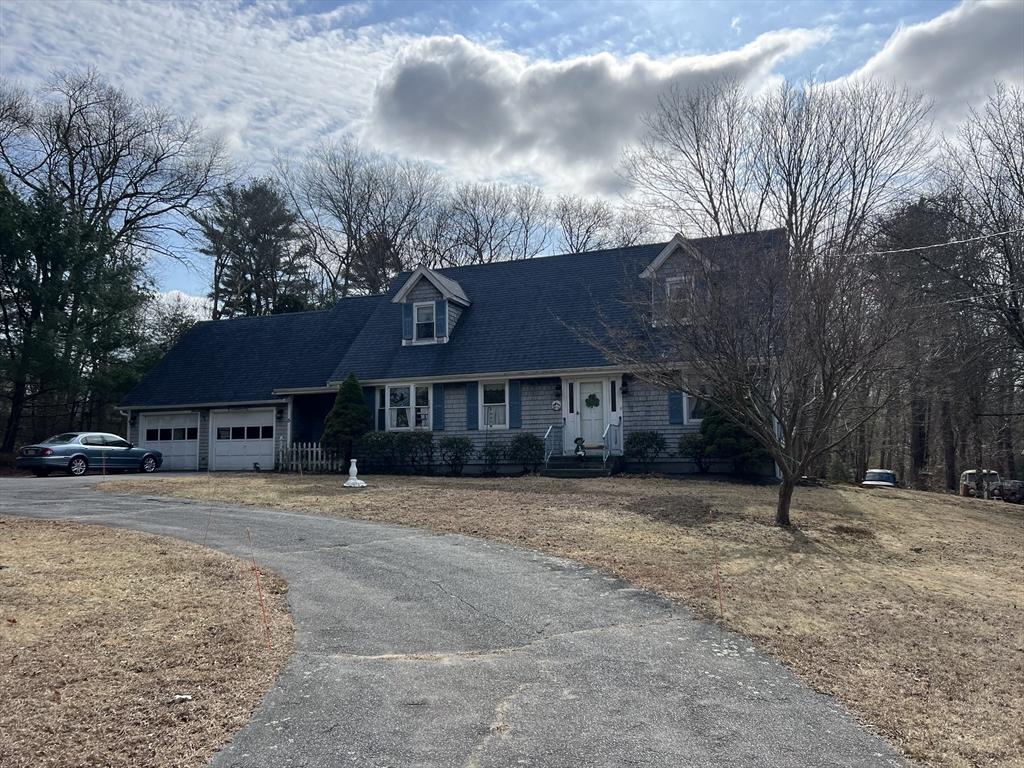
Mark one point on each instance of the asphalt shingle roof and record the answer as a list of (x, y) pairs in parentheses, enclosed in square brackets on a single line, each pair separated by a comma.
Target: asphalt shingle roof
[(244, 359), (524, 316)]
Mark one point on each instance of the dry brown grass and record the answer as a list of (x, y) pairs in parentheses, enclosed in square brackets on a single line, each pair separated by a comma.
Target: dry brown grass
[(100, 629), (909, 607)]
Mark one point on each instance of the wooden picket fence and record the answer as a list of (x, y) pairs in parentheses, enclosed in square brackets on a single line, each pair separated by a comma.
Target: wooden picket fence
[(308, 457)]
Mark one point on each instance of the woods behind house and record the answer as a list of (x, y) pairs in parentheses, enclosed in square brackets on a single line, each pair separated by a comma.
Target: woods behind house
[(865, 344)]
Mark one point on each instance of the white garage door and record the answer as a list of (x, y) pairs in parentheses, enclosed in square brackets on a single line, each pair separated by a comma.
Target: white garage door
[(242, 438), (175, 435)]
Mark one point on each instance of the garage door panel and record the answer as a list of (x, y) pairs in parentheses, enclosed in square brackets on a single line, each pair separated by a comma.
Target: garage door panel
[(175, 435), (243, 438)]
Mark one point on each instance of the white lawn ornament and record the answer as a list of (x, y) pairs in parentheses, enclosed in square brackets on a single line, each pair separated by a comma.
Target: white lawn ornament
[(353, 481)]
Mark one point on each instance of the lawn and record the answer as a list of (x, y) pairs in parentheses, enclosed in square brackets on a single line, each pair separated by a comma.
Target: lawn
[(101, 630), (907, 606)]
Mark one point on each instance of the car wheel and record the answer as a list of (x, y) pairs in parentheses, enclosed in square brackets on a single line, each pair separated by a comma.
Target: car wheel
[(149, 464), (78, 466), (40, 472)]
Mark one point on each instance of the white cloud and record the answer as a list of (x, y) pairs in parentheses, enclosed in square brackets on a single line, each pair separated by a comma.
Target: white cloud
[(179, 301), (268, 79), (261, 78), (955, 57), (489, 112)]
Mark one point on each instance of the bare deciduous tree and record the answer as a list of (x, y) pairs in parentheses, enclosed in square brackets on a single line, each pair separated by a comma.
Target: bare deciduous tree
[(791, 343), (821, 160), (135, 169), (583, 224), (363, 210), (781, 345), (983, 172)]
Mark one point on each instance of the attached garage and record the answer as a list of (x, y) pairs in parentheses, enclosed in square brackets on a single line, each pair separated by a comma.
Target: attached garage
[(242, 437), (175, 435)]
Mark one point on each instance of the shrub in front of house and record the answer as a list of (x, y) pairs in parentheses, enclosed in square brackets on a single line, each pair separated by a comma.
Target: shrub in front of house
[(419, 451), (692, 446), (455, 452), (726, 440), (396, 451), (528, 450), (374, 451), (348, 420), (492, 454), (645, 446)]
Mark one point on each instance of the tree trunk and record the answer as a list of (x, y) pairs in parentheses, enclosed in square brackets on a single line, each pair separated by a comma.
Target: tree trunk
[(949, 446), (14, 416), (918, 439), (785, 499)]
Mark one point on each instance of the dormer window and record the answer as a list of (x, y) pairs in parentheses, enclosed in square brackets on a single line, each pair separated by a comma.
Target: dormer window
[(429, 322), (424, 325)]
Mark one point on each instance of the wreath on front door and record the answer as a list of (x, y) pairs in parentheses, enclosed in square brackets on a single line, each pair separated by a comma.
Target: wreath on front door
[(592, 401)]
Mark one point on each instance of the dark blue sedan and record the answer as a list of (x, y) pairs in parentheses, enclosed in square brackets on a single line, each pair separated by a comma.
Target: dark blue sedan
[(77, 452)]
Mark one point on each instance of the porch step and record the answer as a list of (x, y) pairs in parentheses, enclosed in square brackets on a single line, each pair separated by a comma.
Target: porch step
[(588, 466), (574, 462), (577, 472)]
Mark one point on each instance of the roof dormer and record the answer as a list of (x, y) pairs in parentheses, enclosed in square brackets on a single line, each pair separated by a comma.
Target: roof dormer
[(431, 304)]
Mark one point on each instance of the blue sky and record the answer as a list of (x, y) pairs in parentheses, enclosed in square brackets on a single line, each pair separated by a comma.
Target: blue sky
[(540, 91)]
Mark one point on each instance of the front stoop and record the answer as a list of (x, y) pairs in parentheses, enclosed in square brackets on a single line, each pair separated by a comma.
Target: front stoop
[(588, 466)]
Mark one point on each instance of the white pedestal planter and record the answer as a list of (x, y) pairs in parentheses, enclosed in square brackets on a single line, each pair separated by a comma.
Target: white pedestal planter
[(353, 480)]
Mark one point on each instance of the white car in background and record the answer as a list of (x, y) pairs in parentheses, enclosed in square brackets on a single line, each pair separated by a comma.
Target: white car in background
[(879, 478)]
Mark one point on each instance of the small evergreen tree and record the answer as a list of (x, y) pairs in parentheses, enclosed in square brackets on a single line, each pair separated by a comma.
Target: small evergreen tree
[(726, 440), (348, 420)]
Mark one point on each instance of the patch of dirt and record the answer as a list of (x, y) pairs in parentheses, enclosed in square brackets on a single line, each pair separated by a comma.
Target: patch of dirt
[(906, 606), (125, 649)]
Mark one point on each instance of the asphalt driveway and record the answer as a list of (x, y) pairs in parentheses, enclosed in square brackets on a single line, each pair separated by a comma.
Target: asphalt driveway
[(414, 649)]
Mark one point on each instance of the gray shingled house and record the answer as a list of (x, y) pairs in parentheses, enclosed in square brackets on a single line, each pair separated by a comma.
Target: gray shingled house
[(481, 351)]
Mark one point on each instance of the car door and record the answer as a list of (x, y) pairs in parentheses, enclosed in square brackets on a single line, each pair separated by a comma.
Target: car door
[(118, 453), (94, 450)]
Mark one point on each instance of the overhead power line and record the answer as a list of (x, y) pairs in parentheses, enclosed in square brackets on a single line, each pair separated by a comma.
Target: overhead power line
[(939, 245)]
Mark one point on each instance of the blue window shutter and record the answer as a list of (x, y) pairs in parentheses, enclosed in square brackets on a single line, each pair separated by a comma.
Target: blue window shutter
[(675, 407), (472, 407), (370, 396), (407, 322), (440, 318), (438, 419), (515, 405)]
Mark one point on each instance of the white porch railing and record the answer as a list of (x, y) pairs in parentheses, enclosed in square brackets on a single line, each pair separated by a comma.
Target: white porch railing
[(549, 444), (612, 440), (308, 457)]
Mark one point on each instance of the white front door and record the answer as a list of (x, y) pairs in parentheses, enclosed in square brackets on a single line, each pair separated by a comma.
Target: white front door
[(591, 407)]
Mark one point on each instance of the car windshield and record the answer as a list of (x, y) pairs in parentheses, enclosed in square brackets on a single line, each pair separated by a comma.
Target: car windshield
[(881, 477), (62, 439)]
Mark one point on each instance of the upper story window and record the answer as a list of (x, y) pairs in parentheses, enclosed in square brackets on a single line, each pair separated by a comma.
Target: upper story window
[(494, 404), (424, 321)]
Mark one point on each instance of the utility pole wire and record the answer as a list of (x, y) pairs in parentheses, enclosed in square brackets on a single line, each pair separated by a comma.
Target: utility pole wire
[(939, 245)]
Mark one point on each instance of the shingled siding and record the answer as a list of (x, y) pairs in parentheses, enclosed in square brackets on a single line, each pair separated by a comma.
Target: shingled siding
[(424, 290), (646, 408), (536, 396)]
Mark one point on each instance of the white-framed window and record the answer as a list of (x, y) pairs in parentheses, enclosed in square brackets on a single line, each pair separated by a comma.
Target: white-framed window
[(679, 288), (494, 404), (423, 321), (694, 405), (407, 406)]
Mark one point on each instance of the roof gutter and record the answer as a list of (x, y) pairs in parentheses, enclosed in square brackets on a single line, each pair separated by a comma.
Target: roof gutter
[(227, 404), (540, 373)]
